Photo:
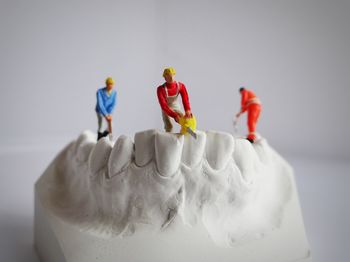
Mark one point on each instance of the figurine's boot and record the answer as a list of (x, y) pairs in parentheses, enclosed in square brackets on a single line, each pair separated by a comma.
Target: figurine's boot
[(99, 135), (102, 134), (250, 139)]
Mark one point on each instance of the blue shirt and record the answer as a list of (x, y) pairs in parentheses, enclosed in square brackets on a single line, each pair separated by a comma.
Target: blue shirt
[(105, 103)]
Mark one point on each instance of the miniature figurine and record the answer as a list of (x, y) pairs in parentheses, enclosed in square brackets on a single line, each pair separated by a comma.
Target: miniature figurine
[(167, 96), (106, 102), (250, 103)]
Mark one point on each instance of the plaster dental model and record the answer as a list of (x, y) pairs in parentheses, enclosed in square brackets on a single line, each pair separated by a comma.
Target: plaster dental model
[(106, 100), (171, 198), (167, 96), (168, 197), (251, 104)]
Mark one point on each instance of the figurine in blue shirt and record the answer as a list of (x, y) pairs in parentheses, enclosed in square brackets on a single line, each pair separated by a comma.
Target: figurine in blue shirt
[(106, 102)]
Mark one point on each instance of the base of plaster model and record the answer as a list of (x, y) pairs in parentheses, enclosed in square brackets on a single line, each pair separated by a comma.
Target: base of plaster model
[(167, 197)]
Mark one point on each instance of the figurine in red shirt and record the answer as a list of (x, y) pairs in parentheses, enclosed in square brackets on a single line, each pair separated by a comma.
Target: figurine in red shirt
[(251, 104), (167, 96)]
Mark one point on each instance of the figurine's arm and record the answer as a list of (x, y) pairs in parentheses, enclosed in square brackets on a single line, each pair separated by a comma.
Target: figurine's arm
[(114, 102), (185, 99), (164, 105), (244, 101), (100, 104)]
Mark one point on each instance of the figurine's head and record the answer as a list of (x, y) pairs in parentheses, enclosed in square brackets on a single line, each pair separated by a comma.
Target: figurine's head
[(169, 74), (109, 83), (242, 88)]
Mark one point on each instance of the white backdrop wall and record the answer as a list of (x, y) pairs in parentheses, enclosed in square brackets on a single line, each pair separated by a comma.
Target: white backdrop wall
[(294, 54)]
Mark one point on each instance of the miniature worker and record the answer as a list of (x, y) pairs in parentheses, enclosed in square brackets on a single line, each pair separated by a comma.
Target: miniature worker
[(251, 104), (168, 99), (106, 102)]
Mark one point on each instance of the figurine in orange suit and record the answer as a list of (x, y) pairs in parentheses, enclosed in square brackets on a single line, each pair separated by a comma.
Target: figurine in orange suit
[(251, 104)]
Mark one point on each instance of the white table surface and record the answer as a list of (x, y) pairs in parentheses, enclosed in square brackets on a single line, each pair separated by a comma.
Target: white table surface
[(323, 190)]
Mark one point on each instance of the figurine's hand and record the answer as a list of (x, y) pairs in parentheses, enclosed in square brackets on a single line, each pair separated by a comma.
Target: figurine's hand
[(238, 114), (108, 118), (188, 114)]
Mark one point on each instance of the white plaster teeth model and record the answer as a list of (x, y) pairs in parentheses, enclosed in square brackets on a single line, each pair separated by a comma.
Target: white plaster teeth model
[(99, 155), (83, 146), (247, 160), (219, 149), (121, 156), (168, 149), (144, 147), (219, 192), (193, 149)]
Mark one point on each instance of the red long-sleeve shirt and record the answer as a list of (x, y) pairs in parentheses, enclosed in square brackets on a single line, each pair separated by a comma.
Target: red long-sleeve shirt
[(172, 89), (248, 98)]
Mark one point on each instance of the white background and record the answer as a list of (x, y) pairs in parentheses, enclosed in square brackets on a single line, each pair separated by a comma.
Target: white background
[(294, 54)]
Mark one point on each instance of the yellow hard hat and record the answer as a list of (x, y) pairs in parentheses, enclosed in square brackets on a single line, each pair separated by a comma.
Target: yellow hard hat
[(169, 70), (109, 80)]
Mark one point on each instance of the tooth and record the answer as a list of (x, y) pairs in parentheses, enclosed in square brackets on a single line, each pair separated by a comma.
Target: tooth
[(99, 155), (193, 149), (144, 147), (121, 156), (245, 158), (168, 149), (263, 151), (219, 149), (87, 135), (83, 146)]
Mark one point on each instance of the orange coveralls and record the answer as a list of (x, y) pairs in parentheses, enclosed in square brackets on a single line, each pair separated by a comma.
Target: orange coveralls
[(251, 103)]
